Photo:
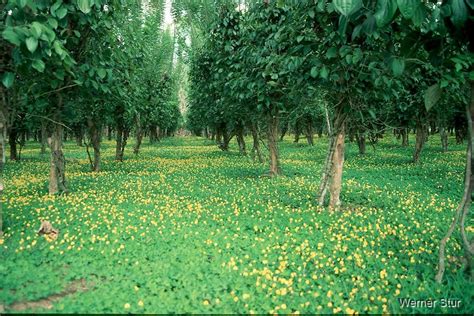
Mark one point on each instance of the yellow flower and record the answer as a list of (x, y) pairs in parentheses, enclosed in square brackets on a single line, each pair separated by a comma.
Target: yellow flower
[(205, 302), (246, 296), (126, 306), (140, 303)]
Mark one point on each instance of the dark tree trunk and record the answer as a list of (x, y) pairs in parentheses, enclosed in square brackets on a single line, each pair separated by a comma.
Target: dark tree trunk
[(361, 143), (297, 132), (272, 137), (79, 135), (139, 137), (420, 140), (444, 138), (284, 130), (309, 133), (12, 137), (44, 137), (95, 139), (404, 135), (119, 141), (241, 140), (256, 144), (109, 133)]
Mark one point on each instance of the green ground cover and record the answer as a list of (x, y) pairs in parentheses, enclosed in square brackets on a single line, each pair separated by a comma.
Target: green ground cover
[(185, 227)]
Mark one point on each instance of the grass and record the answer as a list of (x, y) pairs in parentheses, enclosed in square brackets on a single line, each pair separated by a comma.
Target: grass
[(184, 227)]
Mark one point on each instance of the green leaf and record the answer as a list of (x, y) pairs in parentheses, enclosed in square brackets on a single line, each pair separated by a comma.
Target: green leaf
[(331, 53), (419, 15), (385, 11), (459, 10), (10, 35), (324, 73), (408, 7), (314, 72), (59, 49), (345, 7), (61, 13), (53, 23), (84, 6), (36, 29), (31, 44), (432, 96), (398, 66), (8, 79), (22, 3), (38, 64), (311, 14)]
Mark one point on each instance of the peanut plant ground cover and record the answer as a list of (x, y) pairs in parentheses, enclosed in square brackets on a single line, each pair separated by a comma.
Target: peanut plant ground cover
[(185, 227)]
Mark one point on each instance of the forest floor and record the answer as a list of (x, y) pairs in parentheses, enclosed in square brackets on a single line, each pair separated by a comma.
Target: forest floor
[(185, 227)]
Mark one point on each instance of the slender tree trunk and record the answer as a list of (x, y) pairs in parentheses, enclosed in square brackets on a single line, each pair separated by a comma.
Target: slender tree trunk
[(241, 140), (331, 178), (109, 133), (420, 140), (139, 137), (119, 140), (57, 176), (3, 134), (404, 134), (79, 133), (226, 138), (464, 206), (272, 137), (284, 130), (12, 136), (444, 138), (337, 168), (44, 137), (361, 142), (256, 144), (309, 132), (95, 139)]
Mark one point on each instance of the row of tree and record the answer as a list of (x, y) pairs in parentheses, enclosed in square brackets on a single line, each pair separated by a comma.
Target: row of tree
[(81, 68), (354, 67)]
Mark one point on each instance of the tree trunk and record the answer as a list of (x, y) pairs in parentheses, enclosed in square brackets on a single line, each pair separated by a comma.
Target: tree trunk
[(256, 144), (463, 208), (444, 138), (309, 132), (404, 134), (95, 139), (3, 134), (79, 133), (283, 131), (12, 136), (361, 142), (272, 136), (241, 140), (44, 137), (109, 133), (332, 171), (118, 145), (420, 140), (226, 138), (335, 186), (139, 137), (57, 176)]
